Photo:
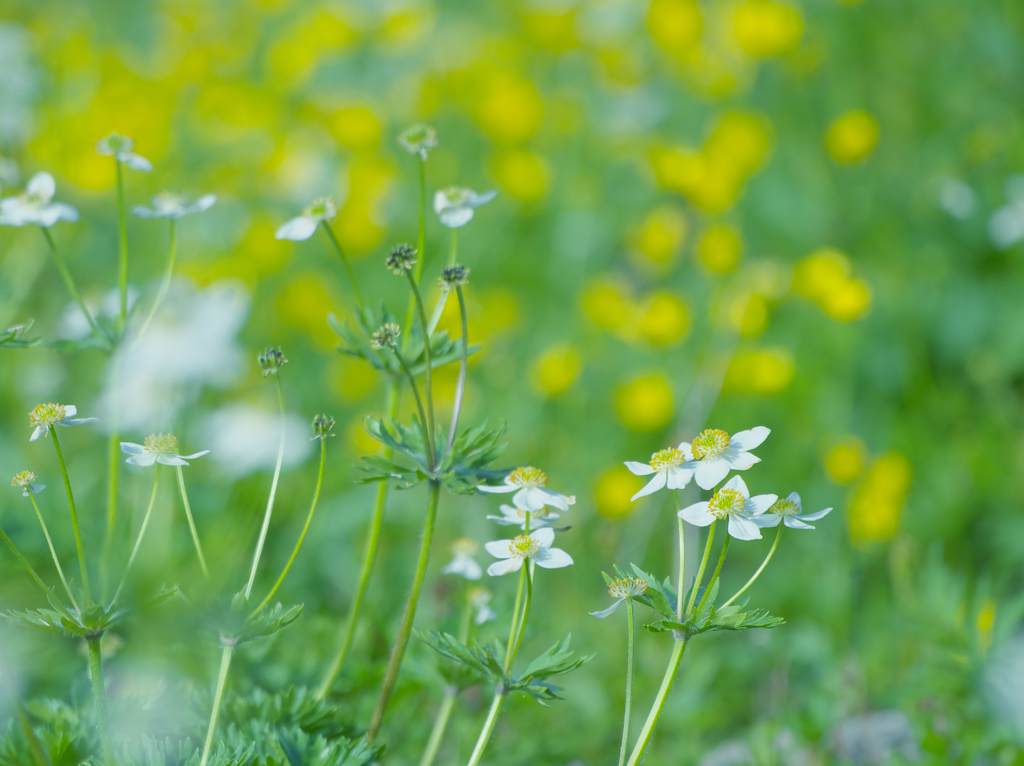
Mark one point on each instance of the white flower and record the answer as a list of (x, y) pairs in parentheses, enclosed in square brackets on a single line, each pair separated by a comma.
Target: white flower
[(670, 470), (732, 502), (302, 227), (536, 546), (621, 589), (455, 205), (790, 513), (36, 205), (23, 481), (462, 563), (713, 453), (517, 517), (480, 597), (159, 448), (116, 145), (529, 485), (418, 139), (174, 205), (46, 415)]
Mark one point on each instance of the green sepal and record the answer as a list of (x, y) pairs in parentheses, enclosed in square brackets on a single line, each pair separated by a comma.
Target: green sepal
[(709, 619), (14, 337)]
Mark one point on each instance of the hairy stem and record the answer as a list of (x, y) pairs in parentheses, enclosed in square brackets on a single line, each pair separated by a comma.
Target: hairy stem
[(69, 282), (460, 387), (345, 260), (122, 260), (142, 533), (659, 702), (218, 698), (741, 591), (630, 638), (428, 368), (427, 431), (273, 492), (99, 692), (700, 571), (714, 575), (53, 552), (488, 728), (74, 518), (165, 284), (192, 523)]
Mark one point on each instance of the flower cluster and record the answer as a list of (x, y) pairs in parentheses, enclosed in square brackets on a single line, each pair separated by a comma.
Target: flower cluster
[(386, 336), (401, 259), (271, 360)]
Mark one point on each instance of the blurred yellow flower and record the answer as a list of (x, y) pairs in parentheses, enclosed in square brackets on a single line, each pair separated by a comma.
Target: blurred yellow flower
[(985, 623), (521, 173), (264, 254), (661, 235), (356, 127), (352, 379), (824, 277), (677, 168), (362, 442), (739, 144), (226, 110), (720, 248), (552, 28), (491, 311), (844, 462), (877, 504), (748, 314), (510, 108), (645, 403), (849, 302), (555, 370), (295, 55), (304, 303), (664, 319), (675, 25), (764, 372), (607, 305), (356, 230), (405, 25), (613, 492), (764, 28), (852, 137)]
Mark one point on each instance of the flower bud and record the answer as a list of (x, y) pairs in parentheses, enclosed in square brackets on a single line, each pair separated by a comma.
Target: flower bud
[(271, 360), (418, 139), (385, 336), (453, 276), (401, 259), (322, 425)]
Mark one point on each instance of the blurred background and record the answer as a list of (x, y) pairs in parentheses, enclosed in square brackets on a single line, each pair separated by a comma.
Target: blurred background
[(717, 213)]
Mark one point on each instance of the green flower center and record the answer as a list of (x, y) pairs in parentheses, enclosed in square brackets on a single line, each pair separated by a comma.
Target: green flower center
[(528, 476), (667, 458), (785, 508), (46, 415), (523, 547), (711, 443), (161, 444), (725, 503)]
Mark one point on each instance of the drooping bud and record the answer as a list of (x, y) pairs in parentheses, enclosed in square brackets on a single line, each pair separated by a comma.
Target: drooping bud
[(401, 259), (271, 360), (385, 336), (322, 425)]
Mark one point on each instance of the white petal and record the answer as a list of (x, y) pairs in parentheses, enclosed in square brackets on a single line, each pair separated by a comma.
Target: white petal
[(748, 440), (543, 537), (549, 497), (505, 567), (552, 558), (35, 489), (498, 488), (135, 161), (687, 450), (766, 520), (129, 448), (711, 471), (144, 212), (530, 499), (658, 482), (454, 217), (737, 483), (739, 460), (605, 612), (507, 521), (170, 460), (145, 460), (697, 514), (484, 614), (499, 548), (56, 211), (679, 477), (795, 498), (197, 454), (743, 529), (297, 229), (758, 504), (440, 201), (794, 523), (70, 410), (69, 422), (476, 200), (203, 203), (43, 185), (37, 433), (638, 469), (816, 515)]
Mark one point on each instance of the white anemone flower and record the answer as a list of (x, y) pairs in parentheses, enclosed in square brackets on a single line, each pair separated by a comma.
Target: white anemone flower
[(536, 546), (455, 205), (479, 598), (530, 484), (670, 470), (518, 517), (732, 502), (120, 147), (463, 564), (303, 227), (620, 589), (789, 512), (23, 481), (159, 448), (36, 205), (174, 205), (46, 415), (418, 140), (713, 452)]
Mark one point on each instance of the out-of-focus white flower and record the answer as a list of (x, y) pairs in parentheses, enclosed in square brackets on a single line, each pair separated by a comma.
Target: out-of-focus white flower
[(244, 439), (789, 512), (455, 205), (1006, 225), (174, 205), (714, 452), (536, 546), (120, 147), (72, 324), (35, 205), (517, 517), (620, 589), (10, 173), (732, 502), (23, 481), (303, 226), (529, 485), (418, 140), (479, 598), (463, 564), (957, 198), (159, 448), (670, 470), (46, 415)]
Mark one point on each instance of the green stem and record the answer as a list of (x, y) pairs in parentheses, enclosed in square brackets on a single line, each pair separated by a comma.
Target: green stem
[(680, 593), (122, 268), (273, 491), (630, 637), (700, 571), (34, 575), (305, 529), (405, 627), (74, 518), (444, 712), (460, 387), (428, 368), (421, 231), (488, 727), (218, 697), (714, 575), (165, 284), (69, 282), (112, 501), (453, 251), (142, 533), (514, 627), (526, 614), (760, 569), (100, 695), (344, 260), (427, 431), (53, 552), (192, 523), (659, 702)]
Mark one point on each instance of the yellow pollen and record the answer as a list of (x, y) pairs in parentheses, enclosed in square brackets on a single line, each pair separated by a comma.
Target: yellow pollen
[(725, 503), (528, 476), (23, 479), (785, 508), (667, 458), (523, 547), (464, 548), (626, 587), (161, 444), (711, 443), (46, 415)]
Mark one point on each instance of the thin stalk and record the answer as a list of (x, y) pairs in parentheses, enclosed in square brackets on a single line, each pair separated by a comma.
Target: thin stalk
[(421, 245), (760, 569), (630, 638), (142, 533), (488, 727), (680, 593), (69, 282), (165, 284), (74, 518), (526, 615), (273, 492), (192, 523), (33, 574), (405, 627), (345, 260), (442, 300), (218, 697), (514, 627), (53, 552), (454, 249), (714, 575), (305, 529), (113, 485), (427, 370), (659, 702), (100, 696), (460, 387), (700, 571), (427, 429), (122, 266), (444, 711)]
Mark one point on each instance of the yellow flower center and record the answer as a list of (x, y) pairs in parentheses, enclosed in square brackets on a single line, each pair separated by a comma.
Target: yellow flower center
[(46, 415), (464, 548), (626, 587), (785, 508), (23, 479), (523, 547), (667, 458), (711, 443), (161, 444), (528, 476), (725, 503)]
